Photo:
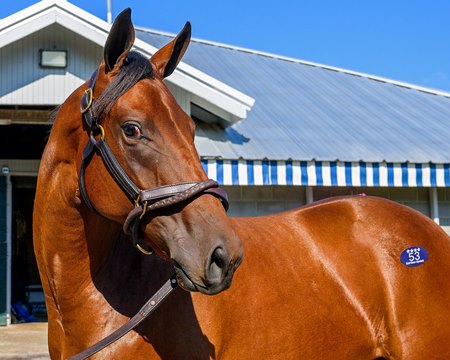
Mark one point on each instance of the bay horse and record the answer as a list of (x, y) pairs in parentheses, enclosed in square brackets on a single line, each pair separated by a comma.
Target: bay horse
[(326, 281)]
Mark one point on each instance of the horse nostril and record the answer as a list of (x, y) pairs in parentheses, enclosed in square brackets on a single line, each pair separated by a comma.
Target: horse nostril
[(217, 267), (218, 258)]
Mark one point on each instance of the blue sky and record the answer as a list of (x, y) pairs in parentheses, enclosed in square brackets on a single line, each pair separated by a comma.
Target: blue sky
[(406, 40)]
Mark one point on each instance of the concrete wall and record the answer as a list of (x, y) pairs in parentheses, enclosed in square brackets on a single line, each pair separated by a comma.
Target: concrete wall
[(417, 198), (262, 200), (444, 208)]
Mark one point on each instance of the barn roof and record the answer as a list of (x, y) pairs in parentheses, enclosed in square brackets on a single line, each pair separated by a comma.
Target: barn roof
[(311, 112)]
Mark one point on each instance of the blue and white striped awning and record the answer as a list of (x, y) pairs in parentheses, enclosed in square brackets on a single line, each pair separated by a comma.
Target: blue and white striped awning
[(326, 173)]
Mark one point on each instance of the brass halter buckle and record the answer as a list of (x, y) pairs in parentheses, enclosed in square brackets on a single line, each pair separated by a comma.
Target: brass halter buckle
[(142, 250), (148, 251), (99, 131), (89, 94), (144, 210)]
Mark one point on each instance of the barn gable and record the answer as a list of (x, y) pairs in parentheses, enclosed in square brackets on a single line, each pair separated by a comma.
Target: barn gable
[(59, 25), (26, 82)]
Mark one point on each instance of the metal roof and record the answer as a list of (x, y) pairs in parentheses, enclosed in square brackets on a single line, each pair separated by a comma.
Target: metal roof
[(305, 111)]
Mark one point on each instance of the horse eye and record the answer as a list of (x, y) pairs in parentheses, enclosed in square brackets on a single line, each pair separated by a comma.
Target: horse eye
[(132, 131)]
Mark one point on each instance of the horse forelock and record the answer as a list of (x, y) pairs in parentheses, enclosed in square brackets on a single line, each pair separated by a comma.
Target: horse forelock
[(136, 68)]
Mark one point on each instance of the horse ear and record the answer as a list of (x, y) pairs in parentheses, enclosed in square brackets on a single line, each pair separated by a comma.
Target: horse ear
[(167, 58), (120, 41)]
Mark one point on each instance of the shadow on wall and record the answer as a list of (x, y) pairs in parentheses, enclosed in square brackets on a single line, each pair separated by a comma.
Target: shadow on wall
[(214, 132)]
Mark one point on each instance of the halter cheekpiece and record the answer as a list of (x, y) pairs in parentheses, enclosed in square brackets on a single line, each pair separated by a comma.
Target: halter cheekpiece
[(143, 200)]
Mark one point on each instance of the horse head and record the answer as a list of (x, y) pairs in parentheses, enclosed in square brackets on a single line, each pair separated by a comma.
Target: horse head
[(151, 141)]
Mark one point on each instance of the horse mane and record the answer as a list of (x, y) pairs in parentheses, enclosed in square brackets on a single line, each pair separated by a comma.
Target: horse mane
[(136, 68), (54, 115)]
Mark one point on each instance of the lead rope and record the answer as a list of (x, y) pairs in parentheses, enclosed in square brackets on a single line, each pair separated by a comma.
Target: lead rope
[(142, 314)]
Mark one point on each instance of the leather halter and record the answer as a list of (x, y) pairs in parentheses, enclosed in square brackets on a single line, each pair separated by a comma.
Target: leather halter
[(143, 200)]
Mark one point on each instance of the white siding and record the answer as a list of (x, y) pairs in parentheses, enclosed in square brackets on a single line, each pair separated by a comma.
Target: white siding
[(183, 97), (24, 82)]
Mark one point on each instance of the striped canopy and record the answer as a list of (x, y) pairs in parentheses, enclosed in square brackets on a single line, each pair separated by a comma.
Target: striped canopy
[(326, 173)]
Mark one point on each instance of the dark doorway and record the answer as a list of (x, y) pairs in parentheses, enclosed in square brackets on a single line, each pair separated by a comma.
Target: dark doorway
[(26, 289), (23, 141)]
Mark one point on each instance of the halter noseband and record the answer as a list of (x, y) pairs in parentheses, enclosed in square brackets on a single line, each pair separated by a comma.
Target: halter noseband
[(143, 200)]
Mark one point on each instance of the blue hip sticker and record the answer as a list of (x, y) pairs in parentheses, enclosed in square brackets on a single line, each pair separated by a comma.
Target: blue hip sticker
[(414, 256)]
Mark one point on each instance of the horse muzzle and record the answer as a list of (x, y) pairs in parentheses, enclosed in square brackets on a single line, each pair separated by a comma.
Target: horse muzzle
[(217, 273)]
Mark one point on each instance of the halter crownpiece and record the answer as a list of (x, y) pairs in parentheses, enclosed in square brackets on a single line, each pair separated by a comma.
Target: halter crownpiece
[(143, 200)]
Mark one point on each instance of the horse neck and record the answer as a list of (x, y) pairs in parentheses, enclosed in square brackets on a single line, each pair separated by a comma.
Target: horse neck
[(71, 242), (83, 255)]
